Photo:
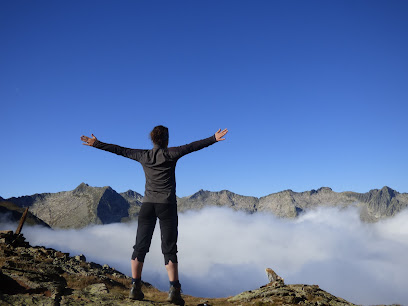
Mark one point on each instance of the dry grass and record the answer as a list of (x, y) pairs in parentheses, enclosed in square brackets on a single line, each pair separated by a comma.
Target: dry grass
[(117, 285), (114, 284), (84, 264), (80, 282), (2, 261), (11, 206), (46, 260)]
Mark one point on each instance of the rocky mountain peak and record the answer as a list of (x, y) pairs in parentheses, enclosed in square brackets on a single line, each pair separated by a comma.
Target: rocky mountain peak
[(384, 195), (199, 194), (324, 189), (81, 188), (131, 194), (110, 189), (283, 193), (321, 190), (388, 192)]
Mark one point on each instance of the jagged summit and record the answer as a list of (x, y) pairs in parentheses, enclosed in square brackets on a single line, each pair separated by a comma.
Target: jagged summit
[(324, 189), (388, 192), (131, 193), (83, 185), (81, 188), (199, 193)]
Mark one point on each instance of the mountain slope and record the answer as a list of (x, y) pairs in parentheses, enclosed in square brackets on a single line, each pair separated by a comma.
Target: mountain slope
[(135, 202), (77, 208), (11, 212)]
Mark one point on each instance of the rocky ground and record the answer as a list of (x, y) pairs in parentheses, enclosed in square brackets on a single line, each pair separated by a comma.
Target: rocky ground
[(43, 276)]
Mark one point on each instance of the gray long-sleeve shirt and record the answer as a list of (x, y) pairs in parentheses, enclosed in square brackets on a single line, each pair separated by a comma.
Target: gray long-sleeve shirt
[(159, 165)]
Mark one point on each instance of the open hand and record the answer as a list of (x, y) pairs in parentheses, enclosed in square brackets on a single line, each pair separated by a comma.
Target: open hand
[(219, 134), (88, 141)]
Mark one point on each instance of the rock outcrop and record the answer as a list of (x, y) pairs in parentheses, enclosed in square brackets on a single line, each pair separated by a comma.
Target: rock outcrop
[(44, 276), (39, 275), (277, 293)]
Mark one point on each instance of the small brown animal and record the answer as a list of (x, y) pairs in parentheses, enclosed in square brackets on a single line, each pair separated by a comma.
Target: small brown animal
[(272, 276)]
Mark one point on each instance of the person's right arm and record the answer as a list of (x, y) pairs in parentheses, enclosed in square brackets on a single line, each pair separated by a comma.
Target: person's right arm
[(126, 152), (178, 152)]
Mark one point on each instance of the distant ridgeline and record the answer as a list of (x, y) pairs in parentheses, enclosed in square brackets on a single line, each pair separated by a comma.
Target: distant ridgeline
[(102, 205)]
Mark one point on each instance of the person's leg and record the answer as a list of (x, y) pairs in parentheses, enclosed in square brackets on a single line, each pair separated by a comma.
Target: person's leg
[(167, 214), (137, 268), (168, 227), (145, 229), (172, 271), (136, 292)]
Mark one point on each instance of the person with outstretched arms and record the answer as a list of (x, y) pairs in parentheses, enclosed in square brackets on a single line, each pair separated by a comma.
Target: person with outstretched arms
[(159, 201)]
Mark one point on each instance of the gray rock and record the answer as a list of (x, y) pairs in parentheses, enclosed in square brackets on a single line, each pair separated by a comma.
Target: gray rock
[(288, 295), (81, 258), (97, 289)]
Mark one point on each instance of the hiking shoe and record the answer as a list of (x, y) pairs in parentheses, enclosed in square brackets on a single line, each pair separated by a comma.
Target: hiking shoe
[(136, 292), (175, 296)]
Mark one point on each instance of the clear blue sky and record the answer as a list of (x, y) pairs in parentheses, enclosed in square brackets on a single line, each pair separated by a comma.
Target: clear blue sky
[(314, 93)]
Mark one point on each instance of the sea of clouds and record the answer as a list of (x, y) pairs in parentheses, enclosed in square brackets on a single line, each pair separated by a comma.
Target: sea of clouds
[(223, 252)]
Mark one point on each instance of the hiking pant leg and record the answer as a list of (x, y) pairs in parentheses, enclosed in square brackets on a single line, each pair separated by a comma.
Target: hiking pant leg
[(145, 229), (167, 214)]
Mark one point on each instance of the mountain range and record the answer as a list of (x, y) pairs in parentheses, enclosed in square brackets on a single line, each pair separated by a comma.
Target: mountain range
[(87, 205)]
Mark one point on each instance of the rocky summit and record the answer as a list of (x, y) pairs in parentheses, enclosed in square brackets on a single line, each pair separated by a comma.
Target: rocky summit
[(87, 205), (35, 275)]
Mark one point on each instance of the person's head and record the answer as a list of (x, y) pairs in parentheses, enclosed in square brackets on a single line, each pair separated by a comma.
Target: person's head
[(160, 136)]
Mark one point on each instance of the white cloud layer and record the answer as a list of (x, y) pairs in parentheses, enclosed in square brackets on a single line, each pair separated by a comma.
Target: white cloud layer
[(223, 252)]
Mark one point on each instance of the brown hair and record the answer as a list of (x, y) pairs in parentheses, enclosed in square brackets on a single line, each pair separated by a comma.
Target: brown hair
[(160, 136)]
